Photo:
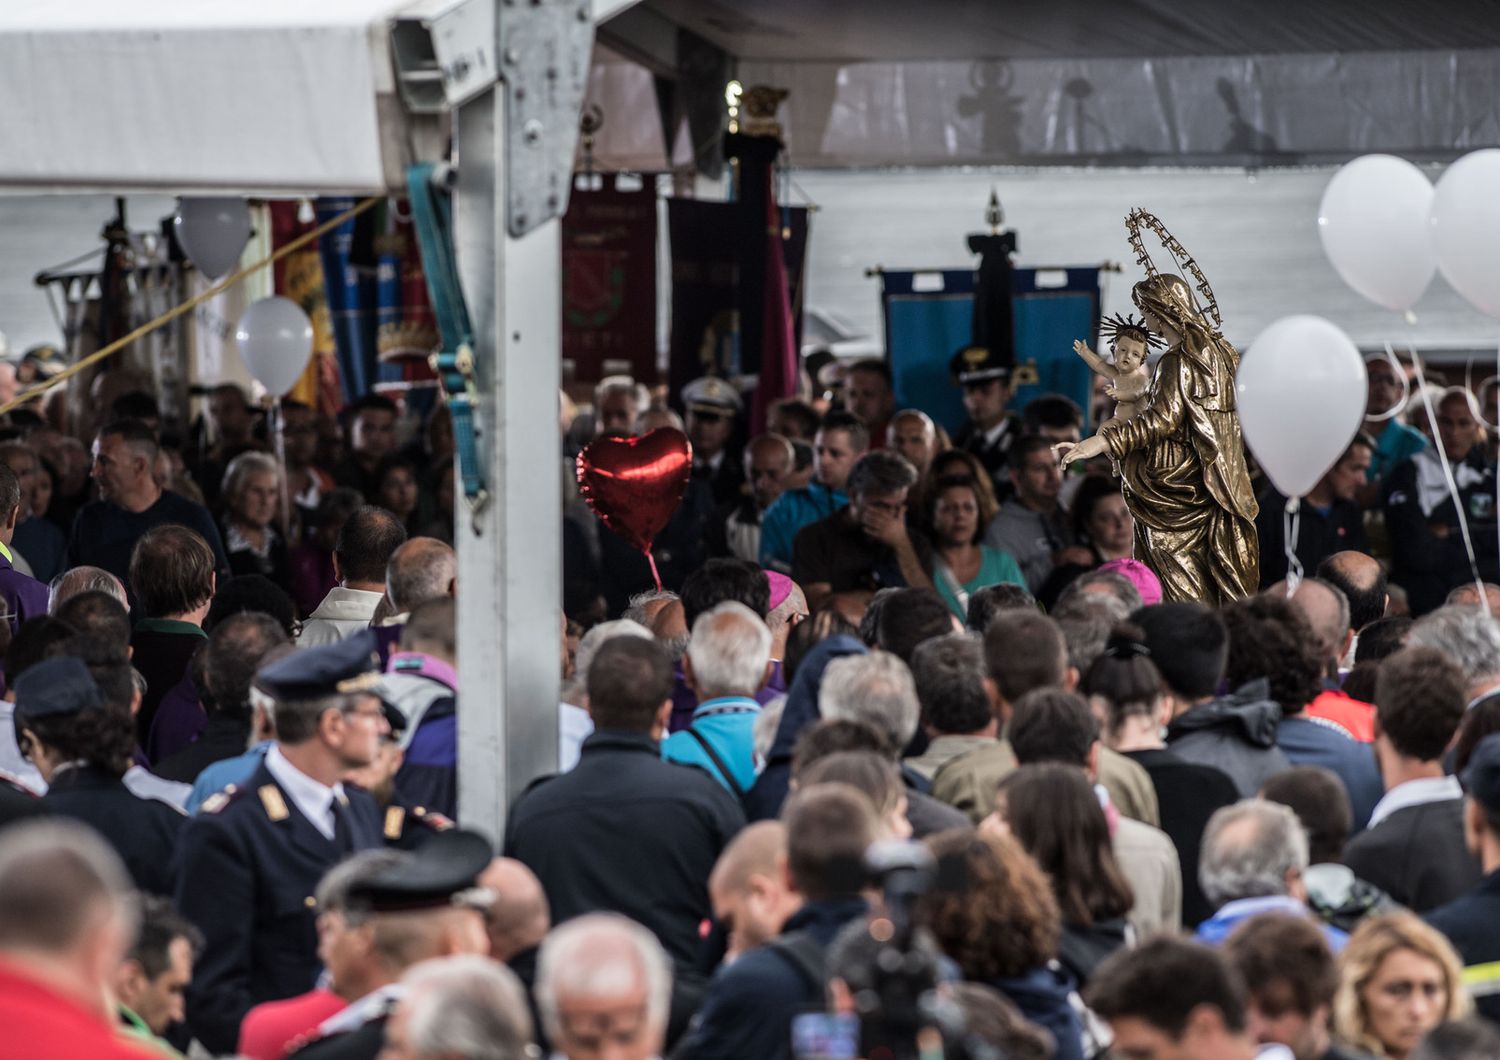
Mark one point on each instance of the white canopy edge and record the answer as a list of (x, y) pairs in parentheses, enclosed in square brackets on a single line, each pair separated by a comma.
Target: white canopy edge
[(267, 97)]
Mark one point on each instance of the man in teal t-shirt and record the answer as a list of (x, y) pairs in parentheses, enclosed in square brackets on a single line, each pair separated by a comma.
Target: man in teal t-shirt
[(728, 660)]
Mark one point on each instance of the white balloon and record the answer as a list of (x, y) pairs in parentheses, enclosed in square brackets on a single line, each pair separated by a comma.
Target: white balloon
[(1465, 221), (275, 339), (1373, 222), (213, 233), (1301, 389)]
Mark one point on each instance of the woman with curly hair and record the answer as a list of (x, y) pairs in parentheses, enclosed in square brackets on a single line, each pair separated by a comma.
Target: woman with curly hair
[(1398, 979), (1002, 930), (1053, 811), (1273, 650)]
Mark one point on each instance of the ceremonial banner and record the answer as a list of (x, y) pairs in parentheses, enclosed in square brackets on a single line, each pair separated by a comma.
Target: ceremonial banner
[(705, 286), (929, 315), (299, 276), (348, 258), (609, 280)]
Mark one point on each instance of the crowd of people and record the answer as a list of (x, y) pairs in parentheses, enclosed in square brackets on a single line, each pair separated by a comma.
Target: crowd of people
[(907, 755)]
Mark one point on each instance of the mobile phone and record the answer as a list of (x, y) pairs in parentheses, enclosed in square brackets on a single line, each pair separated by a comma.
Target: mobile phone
[(821, 1036)]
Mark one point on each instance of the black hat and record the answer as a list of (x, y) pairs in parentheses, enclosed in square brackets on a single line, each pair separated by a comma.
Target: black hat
[(344, 668), (977, 364), (444, 872), (1482, 775), (57, 686)]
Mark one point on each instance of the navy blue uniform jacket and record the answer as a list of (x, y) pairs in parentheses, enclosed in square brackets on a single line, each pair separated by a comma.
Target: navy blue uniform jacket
[(246, 878)]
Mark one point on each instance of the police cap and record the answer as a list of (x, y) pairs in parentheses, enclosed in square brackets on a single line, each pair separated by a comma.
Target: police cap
[(977, 364), (345, 668), (713, 396), (58, 686), (443, 872)]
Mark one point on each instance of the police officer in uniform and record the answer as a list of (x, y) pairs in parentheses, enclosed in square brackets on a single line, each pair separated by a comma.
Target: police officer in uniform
[(989, 431), (80, 737), (432, 906), (712, 406), (252, 858)]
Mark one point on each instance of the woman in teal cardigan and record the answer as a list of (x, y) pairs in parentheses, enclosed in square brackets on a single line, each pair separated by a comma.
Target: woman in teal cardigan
[(961, 565)]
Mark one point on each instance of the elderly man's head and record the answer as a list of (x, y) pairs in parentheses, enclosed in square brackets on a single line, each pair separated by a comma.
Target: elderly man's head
[(875, 688), (464, 1005), (421, 569), (603, 985), (729, 653), (1253, 849), (1467, 595), (1469, 637)]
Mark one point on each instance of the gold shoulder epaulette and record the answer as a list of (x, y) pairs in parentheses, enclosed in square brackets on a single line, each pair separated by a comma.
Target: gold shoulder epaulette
[(270, 798)]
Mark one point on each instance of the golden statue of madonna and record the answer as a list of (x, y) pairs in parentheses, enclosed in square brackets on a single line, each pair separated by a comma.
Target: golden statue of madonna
[(1180, 452)]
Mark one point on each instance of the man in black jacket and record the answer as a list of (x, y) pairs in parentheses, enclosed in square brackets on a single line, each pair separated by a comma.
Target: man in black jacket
[(749, 1005), (1472, 922), (624, 831), (1414, 847)]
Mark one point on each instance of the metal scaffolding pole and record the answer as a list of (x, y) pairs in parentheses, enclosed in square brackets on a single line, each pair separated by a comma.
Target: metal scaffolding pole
[(510, 555)]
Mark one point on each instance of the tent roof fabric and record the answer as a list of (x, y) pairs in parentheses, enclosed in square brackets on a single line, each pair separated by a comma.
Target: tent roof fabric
[(844, 30)]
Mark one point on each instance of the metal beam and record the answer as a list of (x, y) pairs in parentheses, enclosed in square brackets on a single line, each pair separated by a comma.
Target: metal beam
[(509, 589)]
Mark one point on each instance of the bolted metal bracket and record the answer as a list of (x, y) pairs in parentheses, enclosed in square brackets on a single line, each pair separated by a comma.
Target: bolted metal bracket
[(545, 47)]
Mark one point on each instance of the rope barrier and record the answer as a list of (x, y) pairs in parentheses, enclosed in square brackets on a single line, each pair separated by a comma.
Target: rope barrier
[(191, 304)]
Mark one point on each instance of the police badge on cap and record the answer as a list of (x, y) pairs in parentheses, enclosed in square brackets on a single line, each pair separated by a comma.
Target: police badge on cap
[(977, 364)]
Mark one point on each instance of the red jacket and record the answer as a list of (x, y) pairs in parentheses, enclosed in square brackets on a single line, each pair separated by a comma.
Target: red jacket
[(39, 1022), (1354, 716)]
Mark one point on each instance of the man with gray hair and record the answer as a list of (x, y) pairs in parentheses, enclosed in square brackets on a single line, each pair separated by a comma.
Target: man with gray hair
[(602, 979), (80, 580), (728, 661), (1471, 639), (864, 546), (877, 689), (465, 1006), (421, 569), (66, 920), (1253, 858)]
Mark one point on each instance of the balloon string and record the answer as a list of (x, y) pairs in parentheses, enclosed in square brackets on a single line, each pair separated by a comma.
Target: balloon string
[(1437, 443), (191, 304), (1291, 525), (654, 575)]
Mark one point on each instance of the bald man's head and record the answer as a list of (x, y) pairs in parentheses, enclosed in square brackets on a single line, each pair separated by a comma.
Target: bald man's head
[(758, 849), (1362, 580), (422, 569), (520, 917), (749, 886), (1467, 595), (1327, 611)]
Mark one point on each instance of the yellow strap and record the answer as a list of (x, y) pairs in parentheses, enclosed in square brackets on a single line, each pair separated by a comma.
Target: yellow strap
[(191, 304), (1482, 979)]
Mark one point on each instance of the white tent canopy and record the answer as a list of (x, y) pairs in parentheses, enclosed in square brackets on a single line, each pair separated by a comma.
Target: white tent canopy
[(272, 97)]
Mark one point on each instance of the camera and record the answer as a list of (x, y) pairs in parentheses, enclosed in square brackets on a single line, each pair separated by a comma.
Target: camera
[(891, 972)]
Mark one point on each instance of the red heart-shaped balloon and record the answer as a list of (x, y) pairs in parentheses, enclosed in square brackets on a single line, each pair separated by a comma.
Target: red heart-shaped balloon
[(635, 484)]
